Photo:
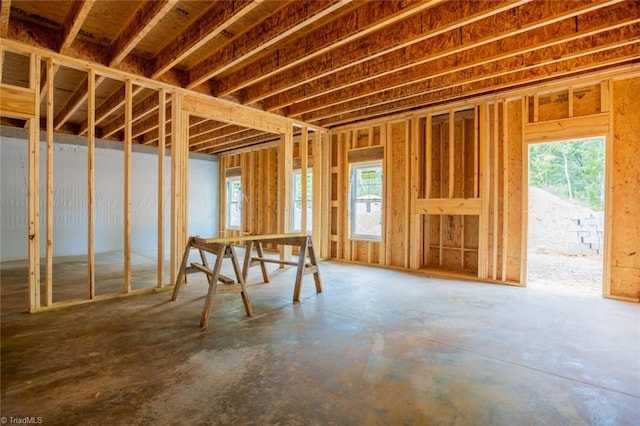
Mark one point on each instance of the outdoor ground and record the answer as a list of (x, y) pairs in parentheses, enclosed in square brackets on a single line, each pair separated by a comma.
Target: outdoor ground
[(549, 266), (556, 272)]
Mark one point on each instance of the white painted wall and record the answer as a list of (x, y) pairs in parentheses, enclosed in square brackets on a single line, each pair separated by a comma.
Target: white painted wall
[(70, 197)]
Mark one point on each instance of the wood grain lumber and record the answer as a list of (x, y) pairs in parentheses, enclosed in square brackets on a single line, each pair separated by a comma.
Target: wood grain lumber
[(213, 22), (367, 18), (450, 52), (388, 38), (73, 23), (446, 91), (145, 19), (5, 11), (284, 22)]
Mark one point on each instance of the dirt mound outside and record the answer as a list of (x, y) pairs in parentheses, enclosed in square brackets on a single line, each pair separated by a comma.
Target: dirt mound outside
[(550, 219)]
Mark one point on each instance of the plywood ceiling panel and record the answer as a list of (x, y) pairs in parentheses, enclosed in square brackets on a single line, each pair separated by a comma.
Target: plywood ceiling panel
[(329, 62)]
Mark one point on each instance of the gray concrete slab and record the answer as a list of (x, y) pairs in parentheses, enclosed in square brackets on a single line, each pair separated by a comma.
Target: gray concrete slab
[(376, 347)]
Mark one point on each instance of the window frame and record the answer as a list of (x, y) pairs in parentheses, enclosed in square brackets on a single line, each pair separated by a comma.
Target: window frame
[(298, 172), (229, 202), (353, 201)]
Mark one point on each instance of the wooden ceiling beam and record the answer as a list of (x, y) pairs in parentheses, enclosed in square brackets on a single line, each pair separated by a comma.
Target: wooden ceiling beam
[(528, 61), (287, 21), (367, 18), (108, 107), (77, 98), (147, 106), (205, 127), (535, 40), (73, 23), (214, 135), (243, 143), (70, 28), (226, 140), (214, 21), (441, 18), (151, 135), (150, 122), (452, 90), (143, 21), (5, 12), (447, 43)]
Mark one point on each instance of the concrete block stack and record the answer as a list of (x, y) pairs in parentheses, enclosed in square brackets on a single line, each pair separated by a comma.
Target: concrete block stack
[(586, 235)]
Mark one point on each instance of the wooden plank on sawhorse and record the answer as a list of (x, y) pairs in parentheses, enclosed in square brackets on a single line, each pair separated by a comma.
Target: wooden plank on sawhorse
[(221, 251), (305, 245)]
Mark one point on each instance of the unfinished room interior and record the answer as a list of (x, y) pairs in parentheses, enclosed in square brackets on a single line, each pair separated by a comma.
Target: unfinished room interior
[(313, 212)]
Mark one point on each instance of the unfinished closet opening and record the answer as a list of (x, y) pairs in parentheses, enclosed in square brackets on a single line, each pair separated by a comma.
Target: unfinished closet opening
[(566, 229), (451, 193)]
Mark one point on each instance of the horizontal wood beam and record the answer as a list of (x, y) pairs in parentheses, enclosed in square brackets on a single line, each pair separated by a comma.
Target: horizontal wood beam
[(108, 107), (143, 21), (260, 141), (529, 60), (212, 136), (5, 11), (568, 128), (571, 67), (231, 139), (77, 98), (73, 23), (367, 18), (233, 113), (478, 54), (212, 23), (438, 19), (449, 206), (206, 126), (17, 102), (287, 21), (152, 135), (140, 110)]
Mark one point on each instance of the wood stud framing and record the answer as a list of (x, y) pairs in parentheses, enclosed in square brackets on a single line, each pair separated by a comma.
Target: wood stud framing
[(49, 192), (91, 191), (33, 189), (415, 197), (128, 117), (162, 99), (23, 103)]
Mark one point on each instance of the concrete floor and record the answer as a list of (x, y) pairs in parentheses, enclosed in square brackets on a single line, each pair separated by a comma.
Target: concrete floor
[(376, 347)]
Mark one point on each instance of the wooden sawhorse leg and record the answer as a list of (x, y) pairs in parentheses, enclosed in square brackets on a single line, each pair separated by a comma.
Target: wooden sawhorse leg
[(214, 275), (182, 270), (303, 268), (249, 261)]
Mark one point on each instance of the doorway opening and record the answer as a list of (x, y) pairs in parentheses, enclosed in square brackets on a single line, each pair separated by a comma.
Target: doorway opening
[(566, 216)]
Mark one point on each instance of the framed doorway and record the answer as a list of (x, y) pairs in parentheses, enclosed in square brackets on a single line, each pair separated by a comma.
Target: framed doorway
[(566, 195)]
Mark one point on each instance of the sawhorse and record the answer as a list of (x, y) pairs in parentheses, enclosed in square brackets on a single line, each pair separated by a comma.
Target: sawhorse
[(305, 245), (221, 251)]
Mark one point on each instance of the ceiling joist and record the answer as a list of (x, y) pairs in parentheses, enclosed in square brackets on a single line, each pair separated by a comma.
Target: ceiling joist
[(254, 68), (285, 22)]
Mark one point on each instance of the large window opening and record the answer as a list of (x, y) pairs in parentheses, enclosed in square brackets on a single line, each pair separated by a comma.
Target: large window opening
[(234, 202), (566, 215), (366, 200), (297, 201)]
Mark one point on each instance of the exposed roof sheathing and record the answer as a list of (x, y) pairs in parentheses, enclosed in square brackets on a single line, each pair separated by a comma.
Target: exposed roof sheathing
[(324, 62)]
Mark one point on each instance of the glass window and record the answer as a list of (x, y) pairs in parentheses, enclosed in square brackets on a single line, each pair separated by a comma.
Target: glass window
[(297, 200), (234, 202), (366, 200)]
